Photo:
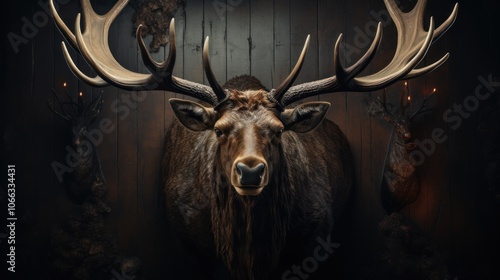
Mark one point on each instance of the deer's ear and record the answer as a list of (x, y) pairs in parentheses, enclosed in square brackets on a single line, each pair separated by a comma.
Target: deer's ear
[(193, 115), (305, 117)]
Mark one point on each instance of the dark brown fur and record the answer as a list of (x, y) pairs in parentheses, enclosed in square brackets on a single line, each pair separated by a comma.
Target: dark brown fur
[(308, 188)]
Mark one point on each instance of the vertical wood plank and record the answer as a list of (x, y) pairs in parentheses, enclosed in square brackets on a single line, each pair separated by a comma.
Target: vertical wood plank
[(108, 149), (126, 208), (363, 227), (426, 211), (303, 22), (179, 69), (463, 143), (282, 48), (215, 28), (238, 39), (163, 254), (43, 127), (331, 19), (443, 220), (150, 136), (193, 42), (419, 210), (180, 31), (62, 134), (381, 131), (150, 133), (262, 41)]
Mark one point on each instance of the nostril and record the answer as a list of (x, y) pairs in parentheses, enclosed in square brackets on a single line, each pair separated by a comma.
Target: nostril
[(259, 169), (250, 176), (239, 168)]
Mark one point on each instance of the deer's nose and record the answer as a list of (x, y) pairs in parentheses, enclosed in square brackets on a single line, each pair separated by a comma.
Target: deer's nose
[(250, 176)]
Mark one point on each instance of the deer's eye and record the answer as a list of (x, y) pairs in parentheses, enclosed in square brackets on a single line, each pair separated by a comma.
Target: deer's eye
[(279, 132), (218, 132)]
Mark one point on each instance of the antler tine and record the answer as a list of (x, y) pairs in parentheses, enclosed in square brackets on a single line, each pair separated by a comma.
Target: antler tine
[(153, 66), (114, 12), (94, 107), (424, 103), (97, 103), (168, 65), (438, 32), (378, 106), (427, 69), (216, 86), (339, 80), (99, 56), (53, 109), (93, 46), (345, 74), (397, 69), (163, 72), (413, 44), (446, 24), (63, 28), (89, 14), (71, 38), (278, 93), (93, 81)]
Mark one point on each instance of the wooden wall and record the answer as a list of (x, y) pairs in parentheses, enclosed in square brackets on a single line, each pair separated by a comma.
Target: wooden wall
[(262, 38)]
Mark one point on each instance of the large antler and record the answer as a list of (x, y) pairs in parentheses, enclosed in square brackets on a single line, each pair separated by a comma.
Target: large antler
[(413, 43), (93, 46)]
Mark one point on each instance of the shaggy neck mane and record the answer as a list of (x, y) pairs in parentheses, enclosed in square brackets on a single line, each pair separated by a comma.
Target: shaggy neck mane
[(250, 231)]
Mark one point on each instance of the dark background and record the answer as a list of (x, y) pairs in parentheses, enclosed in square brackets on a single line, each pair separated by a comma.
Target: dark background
[(457, 209)]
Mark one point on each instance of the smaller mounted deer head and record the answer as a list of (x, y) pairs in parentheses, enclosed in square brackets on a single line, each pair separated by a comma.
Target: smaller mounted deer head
[(86, 166), (400, 183)]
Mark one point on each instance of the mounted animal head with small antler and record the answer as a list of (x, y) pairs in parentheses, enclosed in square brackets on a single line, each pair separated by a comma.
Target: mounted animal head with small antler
[(400, 116), (400, 182), (86, 168)]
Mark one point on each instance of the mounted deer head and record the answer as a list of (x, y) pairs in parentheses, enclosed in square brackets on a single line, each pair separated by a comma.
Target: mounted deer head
[(400, 182), (400, 117), (86, 168)]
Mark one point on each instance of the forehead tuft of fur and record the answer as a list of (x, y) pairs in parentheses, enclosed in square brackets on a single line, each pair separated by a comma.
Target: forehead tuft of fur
[(249, 100)]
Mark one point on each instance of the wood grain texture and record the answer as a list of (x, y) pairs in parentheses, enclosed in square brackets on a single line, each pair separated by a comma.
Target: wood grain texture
[(263, 38)]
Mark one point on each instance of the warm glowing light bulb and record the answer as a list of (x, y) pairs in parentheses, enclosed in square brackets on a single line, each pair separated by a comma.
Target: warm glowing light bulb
[(406, 83), (409, 98), (64, 85), (434, 90), (81, 94)]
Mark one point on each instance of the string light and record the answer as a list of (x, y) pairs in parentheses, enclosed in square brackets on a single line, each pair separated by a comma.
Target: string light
[(407, 92), (80, 102)]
